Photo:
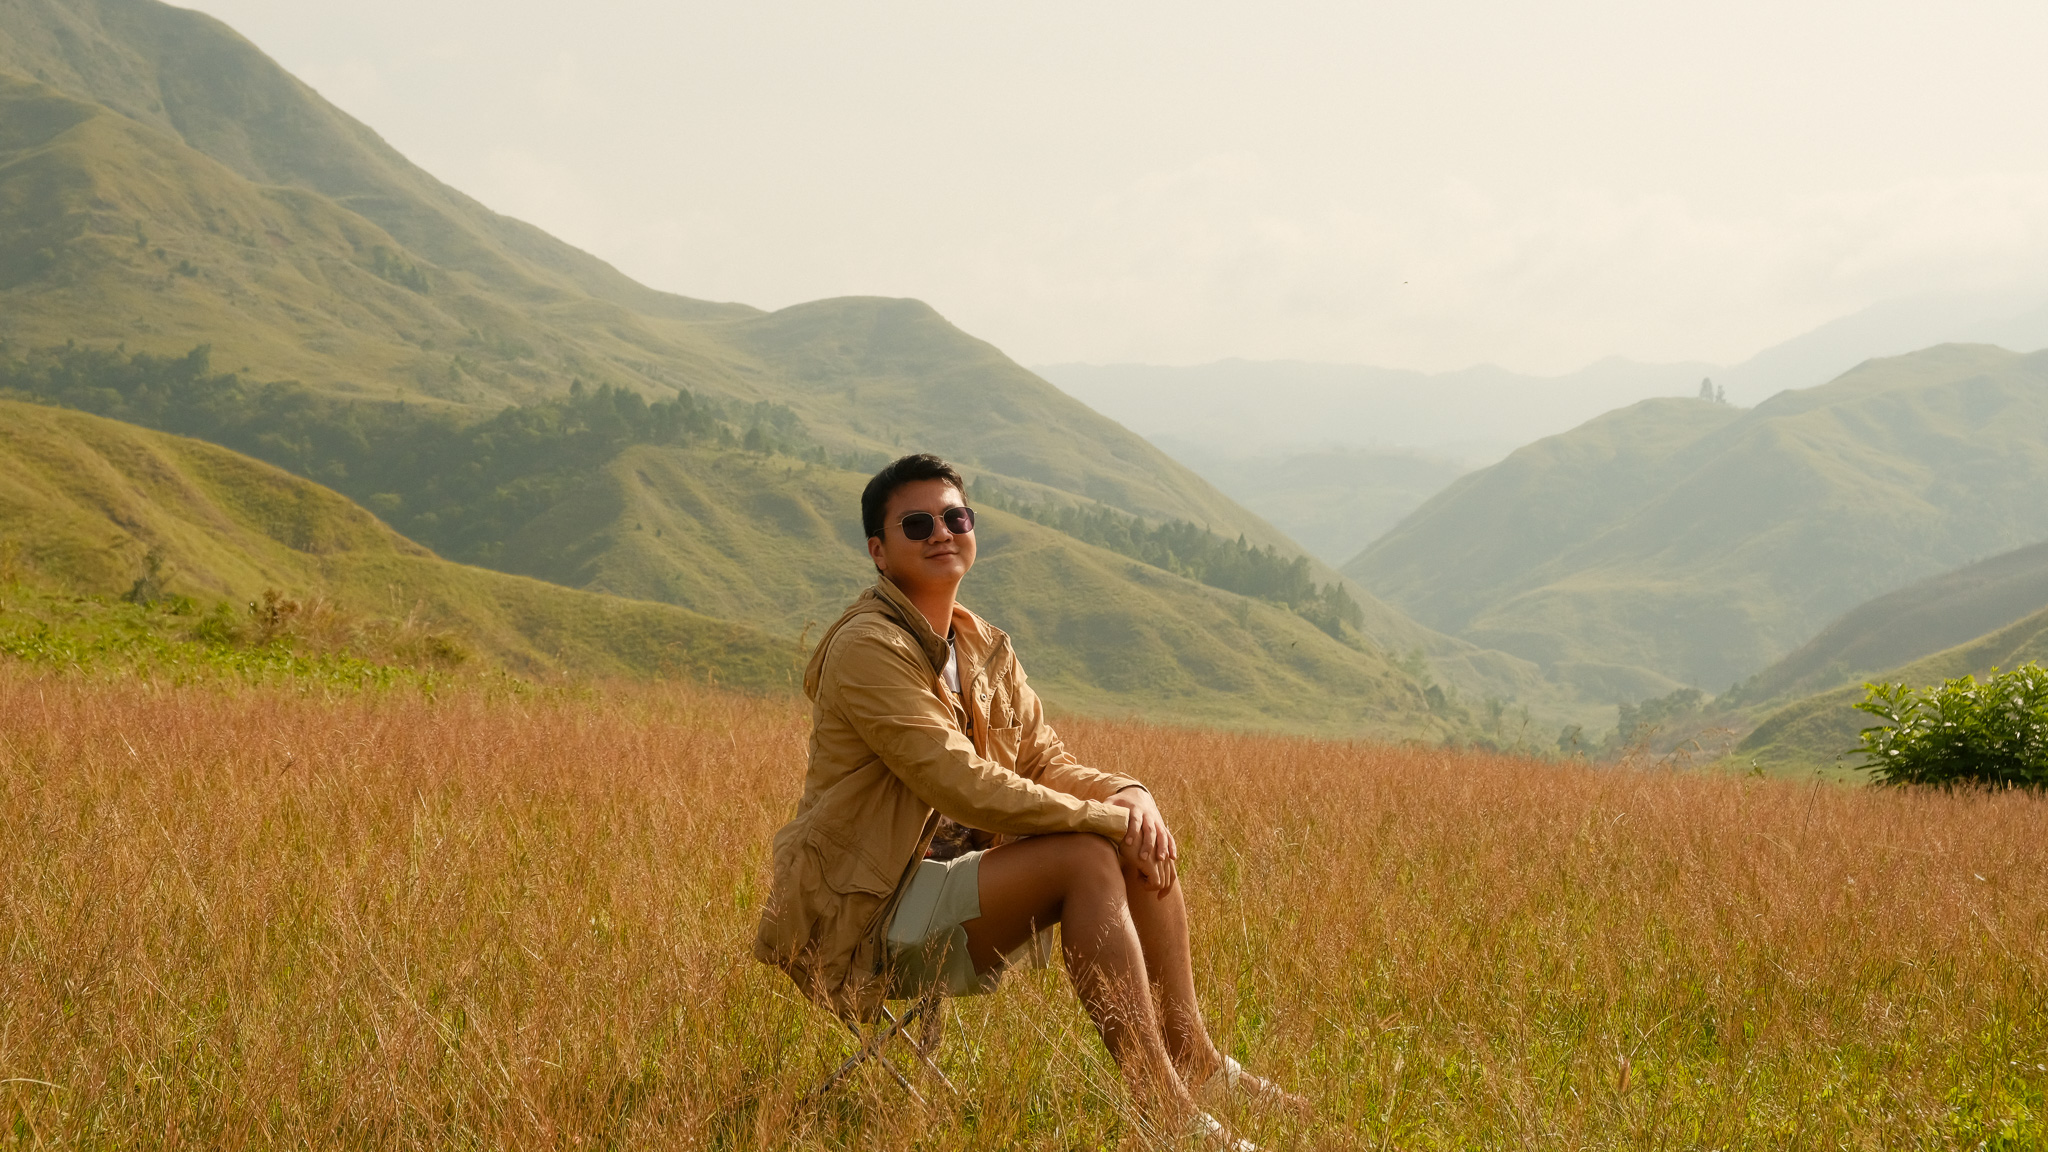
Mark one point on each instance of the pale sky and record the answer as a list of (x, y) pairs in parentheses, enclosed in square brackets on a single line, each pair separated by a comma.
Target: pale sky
[(1409, 185)]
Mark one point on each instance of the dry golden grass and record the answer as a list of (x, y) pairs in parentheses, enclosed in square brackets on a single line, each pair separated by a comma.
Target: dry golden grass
[(238, 917)]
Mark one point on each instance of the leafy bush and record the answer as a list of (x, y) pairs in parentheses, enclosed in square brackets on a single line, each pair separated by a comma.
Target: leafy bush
[(1962, 732)]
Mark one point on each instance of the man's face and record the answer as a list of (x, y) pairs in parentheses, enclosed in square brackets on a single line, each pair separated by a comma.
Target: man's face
[(936, 562)]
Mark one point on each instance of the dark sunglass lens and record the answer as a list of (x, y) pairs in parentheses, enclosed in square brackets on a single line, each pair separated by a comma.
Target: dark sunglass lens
[(959, 521), (918, 526)]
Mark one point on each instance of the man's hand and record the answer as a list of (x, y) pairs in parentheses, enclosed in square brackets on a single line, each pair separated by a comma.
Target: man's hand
[(1148, 844)]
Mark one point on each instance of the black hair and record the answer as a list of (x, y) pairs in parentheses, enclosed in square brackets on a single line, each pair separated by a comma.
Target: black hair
[(874, 499)]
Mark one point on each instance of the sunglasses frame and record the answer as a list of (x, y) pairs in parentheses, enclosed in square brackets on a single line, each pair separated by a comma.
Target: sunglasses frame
[(904, 523)]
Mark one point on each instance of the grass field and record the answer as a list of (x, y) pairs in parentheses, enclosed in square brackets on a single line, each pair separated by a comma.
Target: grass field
[(499, 917)]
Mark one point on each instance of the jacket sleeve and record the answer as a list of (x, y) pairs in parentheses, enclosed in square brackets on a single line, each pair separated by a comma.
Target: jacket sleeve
[(1042, 756), (881, 684)]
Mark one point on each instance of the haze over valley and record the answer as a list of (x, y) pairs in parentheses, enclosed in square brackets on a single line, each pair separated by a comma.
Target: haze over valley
[(195, 241), (1297, 442)]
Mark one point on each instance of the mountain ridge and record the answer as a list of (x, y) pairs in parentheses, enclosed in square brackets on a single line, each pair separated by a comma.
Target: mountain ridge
[(1902, 627), (1708, 541)]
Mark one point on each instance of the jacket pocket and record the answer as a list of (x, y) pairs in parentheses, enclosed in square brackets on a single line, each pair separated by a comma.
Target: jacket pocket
[(846, 869), (1002, 745)]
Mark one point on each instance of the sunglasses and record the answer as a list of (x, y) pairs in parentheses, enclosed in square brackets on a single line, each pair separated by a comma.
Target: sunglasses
[(919, 525)]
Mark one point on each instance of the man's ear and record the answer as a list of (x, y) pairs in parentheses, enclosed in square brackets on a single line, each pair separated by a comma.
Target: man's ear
[(875, 553)]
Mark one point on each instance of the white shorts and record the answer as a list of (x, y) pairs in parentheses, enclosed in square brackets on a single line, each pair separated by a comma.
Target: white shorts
[(928, 946)]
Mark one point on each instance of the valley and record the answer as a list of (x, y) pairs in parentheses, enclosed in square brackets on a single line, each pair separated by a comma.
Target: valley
[(194, 241)]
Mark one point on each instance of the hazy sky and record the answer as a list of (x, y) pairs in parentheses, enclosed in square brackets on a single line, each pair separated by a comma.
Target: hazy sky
[(1413, 185)]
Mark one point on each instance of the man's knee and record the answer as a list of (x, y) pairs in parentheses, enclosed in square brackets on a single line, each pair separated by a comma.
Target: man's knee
[(1093, 859)]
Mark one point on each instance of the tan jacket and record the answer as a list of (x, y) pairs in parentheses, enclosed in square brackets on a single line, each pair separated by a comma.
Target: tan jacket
[(891, 749)]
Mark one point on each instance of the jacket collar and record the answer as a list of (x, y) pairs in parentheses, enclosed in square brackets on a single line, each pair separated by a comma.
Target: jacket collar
[(974, 637), (898, 607)]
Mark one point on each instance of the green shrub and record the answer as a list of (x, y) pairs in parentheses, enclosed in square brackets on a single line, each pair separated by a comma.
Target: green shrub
[(1962, 732)]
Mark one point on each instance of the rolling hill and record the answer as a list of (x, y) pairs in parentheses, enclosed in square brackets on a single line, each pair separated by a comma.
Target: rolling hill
[(1903, 627), (1798, 714), (1816, 732), (84, 500), (164, 185), (1684, 542)]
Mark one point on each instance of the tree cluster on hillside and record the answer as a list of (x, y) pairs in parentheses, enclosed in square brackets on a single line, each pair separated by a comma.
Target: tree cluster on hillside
[(1636, 723), (1190, 550), (460, 486)]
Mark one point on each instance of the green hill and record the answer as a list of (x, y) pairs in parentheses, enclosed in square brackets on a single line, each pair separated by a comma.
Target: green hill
[(87, 504), (1902, 627), (1683, 542)]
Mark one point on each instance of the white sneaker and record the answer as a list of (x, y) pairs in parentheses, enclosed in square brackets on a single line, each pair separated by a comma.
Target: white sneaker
[(1231, 1084), (1208, 1134)]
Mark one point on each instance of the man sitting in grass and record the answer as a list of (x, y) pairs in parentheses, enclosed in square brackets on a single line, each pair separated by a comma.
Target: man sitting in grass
[(921, 716)]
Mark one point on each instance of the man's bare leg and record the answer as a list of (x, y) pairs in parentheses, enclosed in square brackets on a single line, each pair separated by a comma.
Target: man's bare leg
[(1162, 923), (1076, 881)]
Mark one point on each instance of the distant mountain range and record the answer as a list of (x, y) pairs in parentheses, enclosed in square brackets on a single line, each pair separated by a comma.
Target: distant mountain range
[(1478, 415), (1295, 441), (1472, 416), (165, 186), (1683, 542)]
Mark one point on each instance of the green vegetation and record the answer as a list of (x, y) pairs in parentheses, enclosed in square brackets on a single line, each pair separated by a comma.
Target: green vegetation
[(88, 505), (585, 490), (1683, 543), (1813, 732), (272, 640), (1636, 725), (1195, 552), (92, 507), (1961, 732), (1968, 622), (460, 486)]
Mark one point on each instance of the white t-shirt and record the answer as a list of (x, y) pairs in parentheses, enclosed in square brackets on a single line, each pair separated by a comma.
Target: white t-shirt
[(952, 669)]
